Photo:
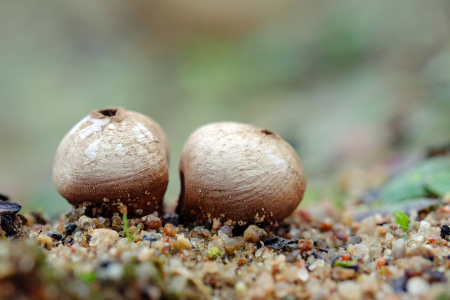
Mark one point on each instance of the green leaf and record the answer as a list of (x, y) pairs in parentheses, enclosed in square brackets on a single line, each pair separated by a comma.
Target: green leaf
[(402, 219), (345, 263), (89, 277), (125, 227), (439, 183), (414, 182)]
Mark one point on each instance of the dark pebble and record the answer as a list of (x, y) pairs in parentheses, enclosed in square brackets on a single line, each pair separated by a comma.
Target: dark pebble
[(171, 218), (434, 276), (355, 240), (55, 235), (9, 207), (445, 231), (151, 237), (88, 238), (399, 285), (70, 228), (104, 263), (318, 256)]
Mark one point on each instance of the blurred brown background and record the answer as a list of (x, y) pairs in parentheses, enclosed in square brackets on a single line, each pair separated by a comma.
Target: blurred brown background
[(347, 83)]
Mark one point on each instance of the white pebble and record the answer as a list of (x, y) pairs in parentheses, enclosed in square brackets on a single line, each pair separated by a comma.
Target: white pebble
[(399, 249), (424, 228), (417, 286), (349, 290), (389, 236), (303, 274), (104, 236)]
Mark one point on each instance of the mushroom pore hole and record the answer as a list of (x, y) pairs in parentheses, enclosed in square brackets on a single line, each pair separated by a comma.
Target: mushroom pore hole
[(108, 112), (266, 131)]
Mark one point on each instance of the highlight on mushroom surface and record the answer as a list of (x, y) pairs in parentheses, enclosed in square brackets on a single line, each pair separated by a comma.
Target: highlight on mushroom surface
[(239, 173), (113, 160)]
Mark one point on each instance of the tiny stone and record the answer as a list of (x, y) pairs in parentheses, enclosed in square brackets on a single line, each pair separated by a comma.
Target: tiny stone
[(70, 228), (417, 286), (349, 290), (389, 236), (254, 234), (152, 237), (152, 221), (358, 249), (170, 229), (60, 228), (104, 236), (232, 244), (424, 228), (86, 223), (216, 224), (355, 240), (399, 249), (343, 273), (183, 243), (225, 230), (196, 242), (282, 289), (171, 218), (305, 245), (55, 235), (303, 274), (44, 239)]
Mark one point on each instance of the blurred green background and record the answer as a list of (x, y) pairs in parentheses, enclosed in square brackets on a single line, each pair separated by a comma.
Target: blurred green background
[(347, 83)]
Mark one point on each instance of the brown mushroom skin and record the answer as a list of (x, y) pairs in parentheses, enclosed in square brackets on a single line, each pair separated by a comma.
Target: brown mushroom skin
[(239, 172), (112, 158)]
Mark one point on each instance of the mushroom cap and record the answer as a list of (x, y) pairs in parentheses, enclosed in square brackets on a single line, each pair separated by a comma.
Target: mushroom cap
[(239, 172), (114, 157)]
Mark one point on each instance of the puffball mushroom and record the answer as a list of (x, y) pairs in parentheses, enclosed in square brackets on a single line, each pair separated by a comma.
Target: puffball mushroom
[(239, 172), (114, 160)]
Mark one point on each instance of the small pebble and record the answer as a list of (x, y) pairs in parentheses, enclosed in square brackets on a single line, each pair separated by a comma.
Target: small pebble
[(343, 273), (183, 242), (216, 224), (355, 240), (349, 290), (424, 228), (70, 228), (152, 221), (170, 229), (305, 245), (232, 244), (86, 223), (44, 239), (303, 274), (254, 234), (55, 235), (104, 236), (399, 249), (417, 286), (152, 237), (171, 218), (225, 230)]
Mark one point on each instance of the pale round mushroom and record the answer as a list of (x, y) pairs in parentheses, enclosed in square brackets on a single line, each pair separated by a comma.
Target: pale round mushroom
[(239, 173), (113, 160)]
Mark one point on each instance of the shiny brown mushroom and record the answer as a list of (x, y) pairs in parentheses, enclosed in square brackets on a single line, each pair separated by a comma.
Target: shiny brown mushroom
[(113, 160), (239, 173)]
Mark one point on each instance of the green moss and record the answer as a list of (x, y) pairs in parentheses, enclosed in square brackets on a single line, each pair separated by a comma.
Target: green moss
[(214, 252)]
